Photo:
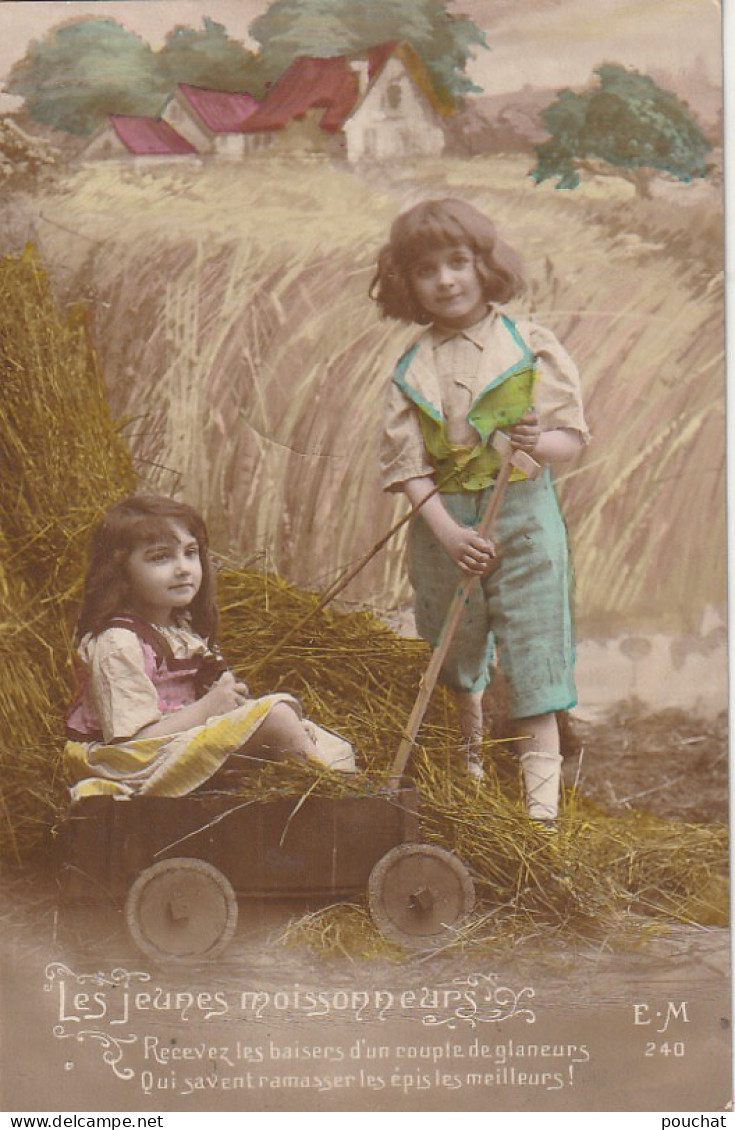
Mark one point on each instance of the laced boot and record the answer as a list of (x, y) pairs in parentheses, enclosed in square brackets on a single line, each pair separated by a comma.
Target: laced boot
[(542, 780)]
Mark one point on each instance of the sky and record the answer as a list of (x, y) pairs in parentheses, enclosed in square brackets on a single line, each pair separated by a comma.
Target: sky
[(543, 42)]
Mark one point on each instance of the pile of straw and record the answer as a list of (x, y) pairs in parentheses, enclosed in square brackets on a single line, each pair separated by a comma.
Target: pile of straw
[(61, 463), (355, 675)]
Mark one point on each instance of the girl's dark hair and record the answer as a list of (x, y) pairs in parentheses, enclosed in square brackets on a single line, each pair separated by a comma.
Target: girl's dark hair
[(442, 223), (142, 519)]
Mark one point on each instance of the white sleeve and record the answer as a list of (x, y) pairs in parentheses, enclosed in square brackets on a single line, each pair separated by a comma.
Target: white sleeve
[(558, 396), (124, 696), (403, 453)]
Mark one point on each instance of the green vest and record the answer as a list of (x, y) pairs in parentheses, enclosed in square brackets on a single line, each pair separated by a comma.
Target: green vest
[(499, 405)]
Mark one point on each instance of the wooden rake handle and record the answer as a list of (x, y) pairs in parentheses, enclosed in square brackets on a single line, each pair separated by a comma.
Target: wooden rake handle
[(486, 527)]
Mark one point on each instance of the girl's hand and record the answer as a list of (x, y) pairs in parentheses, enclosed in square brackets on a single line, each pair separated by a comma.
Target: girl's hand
[(524, 435), (474, 554), (226, 694)]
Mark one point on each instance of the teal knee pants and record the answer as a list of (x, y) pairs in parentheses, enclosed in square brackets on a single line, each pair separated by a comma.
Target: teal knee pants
[(520, 611)]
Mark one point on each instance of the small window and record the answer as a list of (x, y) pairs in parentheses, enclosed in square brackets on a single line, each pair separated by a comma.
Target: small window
[(393, 96)]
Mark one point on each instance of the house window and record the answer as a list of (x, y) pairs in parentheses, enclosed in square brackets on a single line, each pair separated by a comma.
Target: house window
[(371, 143), (393, 96)]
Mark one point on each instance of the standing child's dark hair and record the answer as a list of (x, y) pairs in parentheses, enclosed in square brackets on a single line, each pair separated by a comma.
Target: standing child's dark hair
[(443, 223), (141, 519)]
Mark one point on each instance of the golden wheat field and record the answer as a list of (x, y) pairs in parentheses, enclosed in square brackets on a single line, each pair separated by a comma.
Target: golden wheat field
[(231, 319)]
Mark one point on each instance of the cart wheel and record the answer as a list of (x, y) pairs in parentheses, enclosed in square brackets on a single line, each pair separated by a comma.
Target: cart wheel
[(181, 910), (418, 894)]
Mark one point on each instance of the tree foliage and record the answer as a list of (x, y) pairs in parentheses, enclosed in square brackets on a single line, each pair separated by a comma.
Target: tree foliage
[(205, 57), (89, 68), (83, 70), (625, 124), (335, 27)]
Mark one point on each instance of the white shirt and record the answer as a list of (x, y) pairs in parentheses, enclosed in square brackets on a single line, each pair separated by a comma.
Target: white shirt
[(452, 368)]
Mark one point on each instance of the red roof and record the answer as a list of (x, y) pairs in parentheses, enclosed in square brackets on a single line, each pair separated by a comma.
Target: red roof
[(149, 135), (308, 83), (222, 111), (330, 84)]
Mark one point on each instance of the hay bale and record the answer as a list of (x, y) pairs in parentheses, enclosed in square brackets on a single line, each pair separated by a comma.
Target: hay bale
[(62, 462)]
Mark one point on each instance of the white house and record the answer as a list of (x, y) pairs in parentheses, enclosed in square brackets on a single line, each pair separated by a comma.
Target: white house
[(379, 104)]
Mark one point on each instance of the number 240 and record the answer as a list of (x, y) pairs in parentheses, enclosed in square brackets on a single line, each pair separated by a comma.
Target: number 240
[(666, 1048)]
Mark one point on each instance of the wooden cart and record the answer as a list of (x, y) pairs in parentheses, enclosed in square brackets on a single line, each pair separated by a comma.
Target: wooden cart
[(179, 866)]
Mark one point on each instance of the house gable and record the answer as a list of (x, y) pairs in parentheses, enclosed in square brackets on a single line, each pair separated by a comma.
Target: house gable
[(181, 117), (394, 119), (105, 142), (438, 99)]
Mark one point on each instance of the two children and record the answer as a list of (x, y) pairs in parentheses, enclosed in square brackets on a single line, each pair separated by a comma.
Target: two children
[(446, 268), (158, 711)]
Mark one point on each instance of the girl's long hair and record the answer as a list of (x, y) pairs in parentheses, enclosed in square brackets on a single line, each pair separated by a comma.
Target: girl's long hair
[(141, 519), (442, 223)]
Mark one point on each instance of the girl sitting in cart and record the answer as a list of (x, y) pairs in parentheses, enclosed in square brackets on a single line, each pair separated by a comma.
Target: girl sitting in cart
[(158, 712), (474, 369)]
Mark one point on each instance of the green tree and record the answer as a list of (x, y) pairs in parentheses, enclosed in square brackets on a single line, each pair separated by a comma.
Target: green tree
[(83, 70), (206, 57), (335, 27), (625, 125)]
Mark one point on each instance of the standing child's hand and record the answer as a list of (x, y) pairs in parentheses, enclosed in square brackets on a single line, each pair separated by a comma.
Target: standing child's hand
[(524, 435), (474, 554)]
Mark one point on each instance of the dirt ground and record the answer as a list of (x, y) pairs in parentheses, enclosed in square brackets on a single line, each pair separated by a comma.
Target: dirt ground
[(632, 1026), (669, 763)]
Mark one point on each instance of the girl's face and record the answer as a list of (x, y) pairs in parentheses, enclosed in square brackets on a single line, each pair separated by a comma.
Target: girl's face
[(165, 575), (446, 284)]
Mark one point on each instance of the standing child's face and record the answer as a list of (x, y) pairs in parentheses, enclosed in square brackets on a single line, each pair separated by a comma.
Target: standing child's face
[(165, 575), (446, 284)]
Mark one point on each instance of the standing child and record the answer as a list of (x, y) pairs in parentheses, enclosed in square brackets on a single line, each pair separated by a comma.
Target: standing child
[(158, 712), (446, 268)]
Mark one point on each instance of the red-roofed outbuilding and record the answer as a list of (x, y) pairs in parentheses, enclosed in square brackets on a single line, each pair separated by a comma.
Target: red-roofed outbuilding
[(212, 120), (140, 137)]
